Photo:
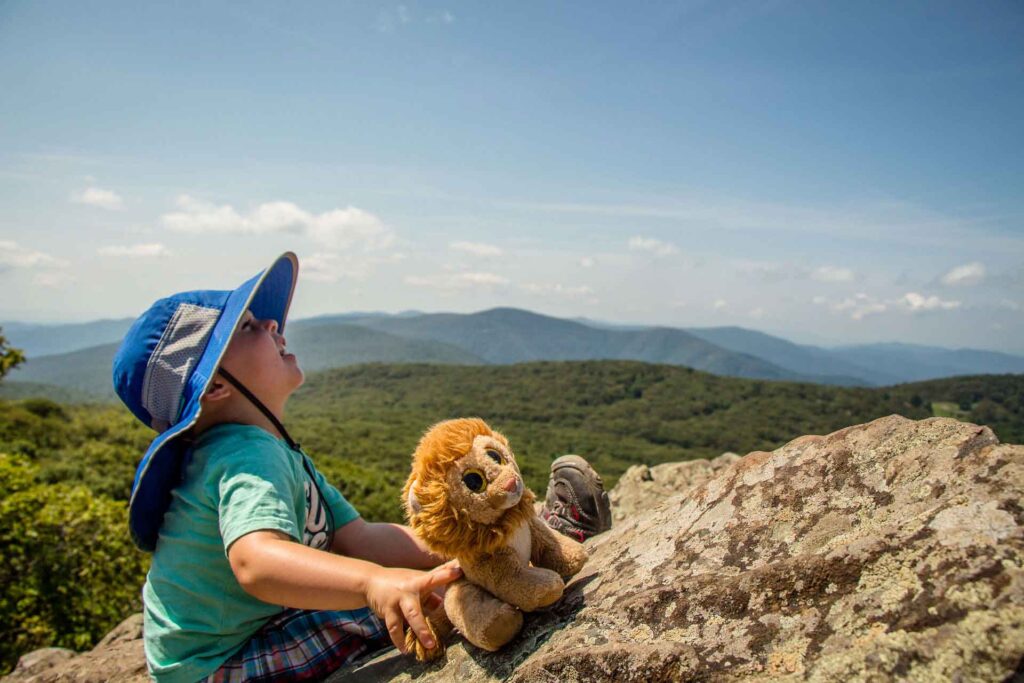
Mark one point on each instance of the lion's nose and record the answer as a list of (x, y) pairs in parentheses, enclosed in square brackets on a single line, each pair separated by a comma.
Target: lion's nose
[(512, 484)]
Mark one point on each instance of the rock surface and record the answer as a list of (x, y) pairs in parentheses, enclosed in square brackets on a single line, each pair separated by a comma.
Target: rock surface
[(889, 550), (117, 658), (886, 551), (641, 487)]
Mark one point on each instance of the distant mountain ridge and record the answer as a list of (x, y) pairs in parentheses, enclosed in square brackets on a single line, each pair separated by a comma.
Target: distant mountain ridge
[(507, 335), (319, 347), (77, 356), (44, 340)]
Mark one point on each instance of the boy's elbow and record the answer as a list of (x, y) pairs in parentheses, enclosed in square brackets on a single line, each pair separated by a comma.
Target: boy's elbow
[(250, 561), (245, 570)]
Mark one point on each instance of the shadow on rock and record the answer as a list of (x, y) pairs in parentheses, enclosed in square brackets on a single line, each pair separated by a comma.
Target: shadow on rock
[(468, 662)]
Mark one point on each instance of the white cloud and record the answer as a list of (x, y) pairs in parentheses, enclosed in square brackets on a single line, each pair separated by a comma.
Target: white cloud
[(832, 274), (338, 229), (765, 270), (1010, 305), (447, 17), (14, 256), (324, 266), (756, 313), (917, 302), (458, 281), (774, 271), (94, 196), (859, 306), (482, 279), (135, 250), (654, 246), (587, 262), (53, 279), (558, 289), (967, 274), (388, 19), (476, 248), (719, 304), (888, 222)]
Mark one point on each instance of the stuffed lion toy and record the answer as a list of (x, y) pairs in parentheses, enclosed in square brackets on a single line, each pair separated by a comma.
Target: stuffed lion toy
[(467, 500)]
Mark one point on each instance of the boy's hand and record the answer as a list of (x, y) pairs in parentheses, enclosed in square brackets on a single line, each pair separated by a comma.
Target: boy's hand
[(397, 596)]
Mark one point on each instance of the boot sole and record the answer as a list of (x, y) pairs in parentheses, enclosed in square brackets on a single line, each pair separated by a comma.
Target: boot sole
[(579, 463)]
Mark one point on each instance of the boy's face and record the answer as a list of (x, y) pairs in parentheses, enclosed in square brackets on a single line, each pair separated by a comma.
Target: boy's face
[(256, 356)]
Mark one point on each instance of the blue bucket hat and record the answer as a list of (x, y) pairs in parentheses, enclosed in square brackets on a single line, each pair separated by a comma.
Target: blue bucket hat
[(166, 362)]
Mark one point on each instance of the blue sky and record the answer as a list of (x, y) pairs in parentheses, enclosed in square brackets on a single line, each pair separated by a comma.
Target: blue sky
[(829, 172)]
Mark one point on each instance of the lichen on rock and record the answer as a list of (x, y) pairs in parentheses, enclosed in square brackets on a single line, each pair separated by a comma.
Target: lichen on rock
[(888, 550)]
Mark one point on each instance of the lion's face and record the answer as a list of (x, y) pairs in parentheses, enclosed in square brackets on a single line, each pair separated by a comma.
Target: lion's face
[(486, 481), (465, 493)]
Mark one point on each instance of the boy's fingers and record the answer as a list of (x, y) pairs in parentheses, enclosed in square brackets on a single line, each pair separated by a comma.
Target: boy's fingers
[(439, 576), (417, 622), (433, 601), (396, 628)]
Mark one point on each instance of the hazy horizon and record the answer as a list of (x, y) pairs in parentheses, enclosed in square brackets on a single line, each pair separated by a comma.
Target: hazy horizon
[(808, 341)]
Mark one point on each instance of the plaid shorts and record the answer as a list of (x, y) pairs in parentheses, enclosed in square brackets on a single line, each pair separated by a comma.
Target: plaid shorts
[(304, 645)]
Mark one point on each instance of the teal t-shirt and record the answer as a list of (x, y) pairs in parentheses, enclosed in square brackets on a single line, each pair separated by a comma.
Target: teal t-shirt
[(239, 479)]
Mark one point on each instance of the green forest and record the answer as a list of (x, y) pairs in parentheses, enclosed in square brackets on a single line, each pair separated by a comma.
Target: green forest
[(70, 572)]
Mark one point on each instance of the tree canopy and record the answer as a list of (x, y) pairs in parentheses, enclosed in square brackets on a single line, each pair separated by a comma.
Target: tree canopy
[(10, 357)]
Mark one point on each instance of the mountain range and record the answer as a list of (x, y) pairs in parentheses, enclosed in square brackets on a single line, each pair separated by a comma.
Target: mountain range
[(77, 356)]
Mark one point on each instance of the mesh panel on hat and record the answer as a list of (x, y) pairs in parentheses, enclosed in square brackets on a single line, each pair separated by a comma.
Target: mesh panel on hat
[(173, 360)]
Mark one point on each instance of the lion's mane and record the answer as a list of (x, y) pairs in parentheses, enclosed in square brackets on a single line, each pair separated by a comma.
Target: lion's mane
[(445, 529)]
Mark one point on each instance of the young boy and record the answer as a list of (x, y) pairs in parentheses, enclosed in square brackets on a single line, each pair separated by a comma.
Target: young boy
[(261, 569)]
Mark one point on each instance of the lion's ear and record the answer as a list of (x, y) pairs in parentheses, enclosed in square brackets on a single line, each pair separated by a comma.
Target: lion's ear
[(413, 501)]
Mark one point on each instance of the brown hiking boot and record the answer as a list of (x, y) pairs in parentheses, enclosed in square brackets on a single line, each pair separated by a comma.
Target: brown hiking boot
[(576, 503)]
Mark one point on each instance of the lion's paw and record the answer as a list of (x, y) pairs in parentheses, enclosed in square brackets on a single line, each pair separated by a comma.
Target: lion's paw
[(414, 646)]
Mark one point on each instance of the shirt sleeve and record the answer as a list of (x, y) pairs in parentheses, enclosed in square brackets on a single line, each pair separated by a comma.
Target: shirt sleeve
[(256, 490), (342, 510)]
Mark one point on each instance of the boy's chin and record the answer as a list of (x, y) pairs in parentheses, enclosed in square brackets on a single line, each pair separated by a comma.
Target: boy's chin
[(293, 372)]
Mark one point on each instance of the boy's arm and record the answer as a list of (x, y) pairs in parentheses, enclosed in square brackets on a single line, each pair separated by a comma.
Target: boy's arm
[(389, 545), (274, 568)]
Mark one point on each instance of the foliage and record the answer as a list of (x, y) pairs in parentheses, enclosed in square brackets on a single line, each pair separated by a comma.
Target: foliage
[(9, 357), (68, 569), (616, 413), (96, 446)]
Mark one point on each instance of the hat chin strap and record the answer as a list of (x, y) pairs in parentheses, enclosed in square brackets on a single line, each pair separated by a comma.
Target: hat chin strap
[(287, 437), (259, 404)]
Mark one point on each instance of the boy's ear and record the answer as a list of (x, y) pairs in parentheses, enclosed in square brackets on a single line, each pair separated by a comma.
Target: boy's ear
[(217, 391)]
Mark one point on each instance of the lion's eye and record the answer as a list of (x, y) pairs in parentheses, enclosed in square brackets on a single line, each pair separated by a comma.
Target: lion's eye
[(474, 480), (494, 455)]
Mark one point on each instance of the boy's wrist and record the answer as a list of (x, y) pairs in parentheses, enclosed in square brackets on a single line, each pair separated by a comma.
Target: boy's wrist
[(363, 584)]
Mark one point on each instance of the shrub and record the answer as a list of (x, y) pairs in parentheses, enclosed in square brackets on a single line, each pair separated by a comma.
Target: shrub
[(69, 570)]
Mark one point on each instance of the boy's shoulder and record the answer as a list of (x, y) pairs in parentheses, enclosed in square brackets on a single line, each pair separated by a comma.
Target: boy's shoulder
[(231, 449), (233, 430), (227, 438)]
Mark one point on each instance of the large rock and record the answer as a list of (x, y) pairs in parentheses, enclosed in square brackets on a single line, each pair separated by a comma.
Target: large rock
[(642, 487), (117, 658), (890, 550)]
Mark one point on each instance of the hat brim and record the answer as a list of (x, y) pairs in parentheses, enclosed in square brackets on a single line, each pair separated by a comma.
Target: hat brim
[(269, 296)]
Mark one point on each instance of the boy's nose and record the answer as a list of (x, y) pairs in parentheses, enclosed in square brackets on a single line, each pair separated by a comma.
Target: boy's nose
[(270, 324)]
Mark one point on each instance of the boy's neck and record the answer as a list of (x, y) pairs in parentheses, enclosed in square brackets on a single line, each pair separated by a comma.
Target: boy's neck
[(238, 412)]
